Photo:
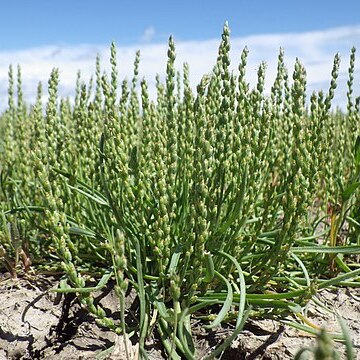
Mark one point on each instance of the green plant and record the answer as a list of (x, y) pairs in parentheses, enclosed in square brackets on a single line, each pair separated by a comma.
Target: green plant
[(200, 202)]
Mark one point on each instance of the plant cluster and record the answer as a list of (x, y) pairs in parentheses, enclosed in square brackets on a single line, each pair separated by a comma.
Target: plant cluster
[(217, 204)]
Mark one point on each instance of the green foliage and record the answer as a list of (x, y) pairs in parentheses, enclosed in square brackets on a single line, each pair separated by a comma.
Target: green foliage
[(198, 201)]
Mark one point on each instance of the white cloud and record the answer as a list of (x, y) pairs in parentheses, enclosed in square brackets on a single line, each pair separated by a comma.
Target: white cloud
[(315, 49), (148, 34)]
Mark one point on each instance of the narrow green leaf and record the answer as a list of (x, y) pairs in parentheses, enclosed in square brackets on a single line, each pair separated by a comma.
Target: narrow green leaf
[(74, 230), (357, 152), (242, 316), (175, 258), (209, 267), (204, 303), (348, 342), (185, 335), (163, 311), (25, 208), (275, 304), (226, 306), (165, 335), (339, 279), (348, 249), (100, 200), (309, 329)]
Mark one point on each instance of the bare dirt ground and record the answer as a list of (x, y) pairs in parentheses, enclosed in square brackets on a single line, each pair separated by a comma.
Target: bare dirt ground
[(38, 324)]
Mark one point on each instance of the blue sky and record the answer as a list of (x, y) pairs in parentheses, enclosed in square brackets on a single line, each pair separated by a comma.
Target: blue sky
[(44, 22), (68, 34)]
